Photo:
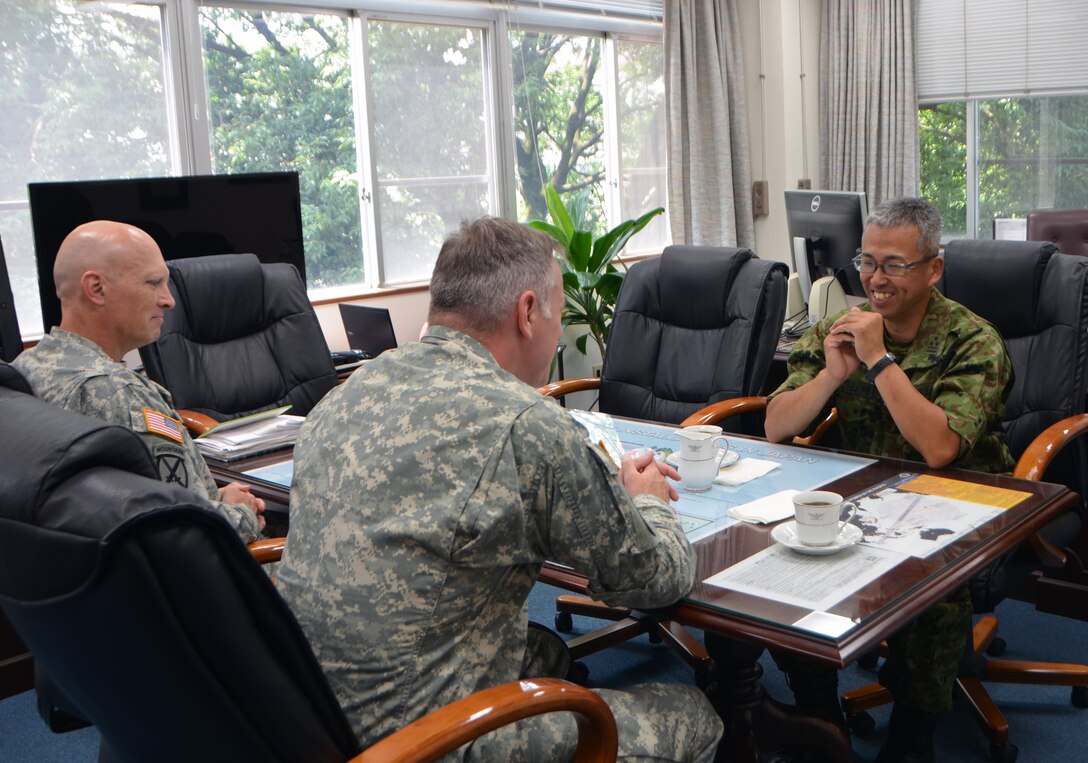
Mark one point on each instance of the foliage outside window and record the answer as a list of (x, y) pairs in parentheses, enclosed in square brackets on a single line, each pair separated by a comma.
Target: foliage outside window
[(1028, 154), (89, 93), (431, 154), (83, 98), (280, 98)]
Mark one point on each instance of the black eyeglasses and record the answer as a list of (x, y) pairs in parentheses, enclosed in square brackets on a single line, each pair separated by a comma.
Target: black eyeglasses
[(894, 269)]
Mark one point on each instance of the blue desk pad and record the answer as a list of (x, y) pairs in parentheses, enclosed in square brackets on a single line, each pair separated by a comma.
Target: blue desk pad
[(702, 514)]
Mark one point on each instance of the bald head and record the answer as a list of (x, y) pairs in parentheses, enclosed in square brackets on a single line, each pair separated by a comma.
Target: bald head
[(112, 284)]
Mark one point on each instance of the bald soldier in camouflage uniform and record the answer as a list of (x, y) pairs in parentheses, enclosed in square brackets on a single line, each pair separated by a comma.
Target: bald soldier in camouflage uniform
[(431, 487), (112, 283), (916, 376)]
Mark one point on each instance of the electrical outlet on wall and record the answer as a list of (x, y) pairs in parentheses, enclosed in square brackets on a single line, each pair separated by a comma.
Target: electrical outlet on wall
[(760, 205), (804, 183)]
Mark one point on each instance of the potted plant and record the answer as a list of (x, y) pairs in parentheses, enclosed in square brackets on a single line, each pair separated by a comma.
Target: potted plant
[(591, 281)]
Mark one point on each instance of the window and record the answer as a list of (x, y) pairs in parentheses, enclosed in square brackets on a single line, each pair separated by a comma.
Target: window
[(431, 151), (280, 98), (1004, 109), (1020, 155), (84, 97), (402, 120)]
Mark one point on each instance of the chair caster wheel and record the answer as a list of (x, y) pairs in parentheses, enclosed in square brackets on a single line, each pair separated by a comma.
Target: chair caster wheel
[(1079, 696), (996, 647), (655, 637), (702, 679), (861, 724), (578, 673), (1004, 753), (564, 623)]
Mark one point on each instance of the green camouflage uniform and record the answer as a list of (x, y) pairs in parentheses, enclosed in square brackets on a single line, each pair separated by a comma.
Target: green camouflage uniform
[(959, 362), (75, 373), (428, 491)]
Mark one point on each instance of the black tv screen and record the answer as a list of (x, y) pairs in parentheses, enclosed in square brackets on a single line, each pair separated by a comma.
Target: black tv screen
[(187, 216)]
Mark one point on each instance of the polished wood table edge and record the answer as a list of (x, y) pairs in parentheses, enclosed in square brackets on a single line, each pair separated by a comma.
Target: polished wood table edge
[(865, 636)]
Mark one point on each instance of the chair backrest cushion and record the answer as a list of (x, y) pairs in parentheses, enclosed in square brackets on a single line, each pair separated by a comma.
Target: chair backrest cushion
[(242, 337), (1068, 228), (144, 608), (692, 327)]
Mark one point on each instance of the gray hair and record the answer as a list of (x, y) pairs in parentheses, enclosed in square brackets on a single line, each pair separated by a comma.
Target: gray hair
[(484, 268), (918, 213)]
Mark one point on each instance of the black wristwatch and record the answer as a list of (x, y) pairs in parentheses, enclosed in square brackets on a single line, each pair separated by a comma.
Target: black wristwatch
[(876, 368)]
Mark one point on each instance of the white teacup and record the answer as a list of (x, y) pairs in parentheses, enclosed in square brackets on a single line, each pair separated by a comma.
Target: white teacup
[(817, 513), (702, 450)]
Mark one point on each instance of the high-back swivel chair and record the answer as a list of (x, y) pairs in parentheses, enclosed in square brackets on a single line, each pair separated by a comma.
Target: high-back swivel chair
[(152, 621), (242, 338), (11, 342), (694, 327), (1038, 300)]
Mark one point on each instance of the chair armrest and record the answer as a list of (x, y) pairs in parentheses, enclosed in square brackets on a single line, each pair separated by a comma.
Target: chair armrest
[(196, 423), (723, 409), (460, 722), (818, 432), (268, 550), (567, 386), (1034, 462)]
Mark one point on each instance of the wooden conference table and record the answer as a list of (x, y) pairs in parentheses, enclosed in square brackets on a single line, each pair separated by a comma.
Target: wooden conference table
[(739, 624)]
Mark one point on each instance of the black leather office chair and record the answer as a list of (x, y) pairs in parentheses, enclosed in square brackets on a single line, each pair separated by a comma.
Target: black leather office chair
[(695, 326), (1067, 228), (1038, 300), (11, 341), (698, 325), (243, 337), (153, 622)]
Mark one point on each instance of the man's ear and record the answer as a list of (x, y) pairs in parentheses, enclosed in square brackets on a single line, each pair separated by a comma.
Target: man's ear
[(528, 312), (937, 271), (93, 287)]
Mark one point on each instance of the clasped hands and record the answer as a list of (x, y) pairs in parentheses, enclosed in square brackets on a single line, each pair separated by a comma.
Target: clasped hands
[(855, 338)]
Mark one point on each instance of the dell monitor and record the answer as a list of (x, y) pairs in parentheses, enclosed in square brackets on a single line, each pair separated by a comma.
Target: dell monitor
[(187, 216), (825, 230)]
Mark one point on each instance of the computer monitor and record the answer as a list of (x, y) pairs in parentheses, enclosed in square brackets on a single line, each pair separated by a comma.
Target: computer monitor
[(11, 342), (829, 225), (188, 216)]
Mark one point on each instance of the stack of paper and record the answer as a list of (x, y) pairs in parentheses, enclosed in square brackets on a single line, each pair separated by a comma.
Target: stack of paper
[(250, 435)]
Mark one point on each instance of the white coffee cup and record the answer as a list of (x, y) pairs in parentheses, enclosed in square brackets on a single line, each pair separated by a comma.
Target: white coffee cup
[(817, 513), (702, 450)]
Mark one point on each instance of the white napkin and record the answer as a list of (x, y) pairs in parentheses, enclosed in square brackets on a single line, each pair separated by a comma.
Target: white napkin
[(770, 508), (745, 470)]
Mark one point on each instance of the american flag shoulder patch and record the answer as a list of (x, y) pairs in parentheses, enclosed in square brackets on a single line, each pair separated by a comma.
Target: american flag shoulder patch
[(160, 423)]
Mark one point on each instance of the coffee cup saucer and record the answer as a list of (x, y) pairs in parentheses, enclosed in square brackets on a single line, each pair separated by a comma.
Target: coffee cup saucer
[(786, 534), (731, 457)]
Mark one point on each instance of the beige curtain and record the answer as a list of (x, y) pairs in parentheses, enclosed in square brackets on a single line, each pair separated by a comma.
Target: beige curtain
[(868, 98), (709, 169)]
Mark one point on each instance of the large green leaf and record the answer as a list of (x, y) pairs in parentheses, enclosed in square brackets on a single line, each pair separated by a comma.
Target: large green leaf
[(558, 213), (550, 229), (580, 250)]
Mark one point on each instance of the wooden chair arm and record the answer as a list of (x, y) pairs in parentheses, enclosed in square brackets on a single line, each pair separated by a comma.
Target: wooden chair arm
[(818, 432), (458, 723), (1033, 464), (567, 386), (196, 423), (268, 550), (1038, 455), (723, 409)]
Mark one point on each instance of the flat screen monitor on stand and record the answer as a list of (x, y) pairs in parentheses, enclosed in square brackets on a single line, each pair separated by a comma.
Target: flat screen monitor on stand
[(825, 230), (11, 343)]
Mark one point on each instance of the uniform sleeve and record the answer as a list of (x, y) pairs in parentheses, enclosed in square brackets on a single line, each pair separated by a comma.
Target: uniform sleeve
[(176, 458), (806, 360), (634, 552), (972, 390)]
